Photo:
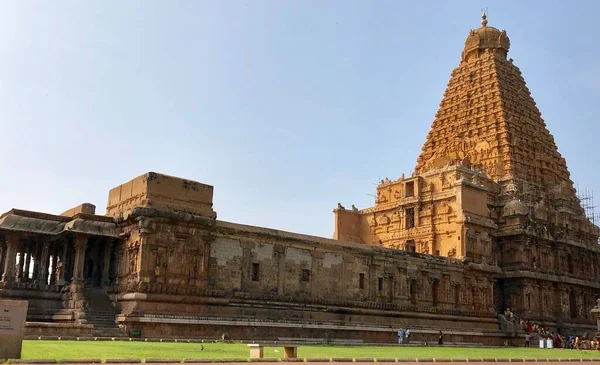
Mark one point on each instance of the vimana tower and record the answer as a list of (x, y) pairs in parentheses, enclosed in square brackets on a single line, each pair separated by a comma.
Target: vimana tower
[(490, 187)]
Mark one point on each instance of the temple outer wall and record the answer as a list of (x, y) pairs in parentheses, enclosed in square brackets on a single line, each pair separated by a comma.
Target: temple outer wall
[(278, 278)]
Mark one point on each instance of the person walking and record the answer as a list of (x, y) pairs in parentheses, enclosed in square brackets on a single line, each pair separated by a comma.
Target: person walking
[(407, 335), (527, 339), (400, 336), (441, 338)]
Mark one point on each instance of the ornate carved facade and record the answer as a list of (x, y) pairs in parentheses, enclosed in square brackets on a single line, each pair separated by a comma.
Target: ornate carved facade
[(491, 187)]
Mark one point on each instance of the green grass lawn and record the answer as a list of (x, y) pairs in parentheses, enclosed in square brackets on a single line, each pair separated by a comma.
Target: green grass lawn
[(33, 349)]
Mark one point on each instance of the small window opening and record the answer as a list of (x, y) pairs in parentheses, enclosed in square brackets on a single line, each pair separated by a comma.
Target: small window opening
[(410, 189), (255, 272), (305, 275)]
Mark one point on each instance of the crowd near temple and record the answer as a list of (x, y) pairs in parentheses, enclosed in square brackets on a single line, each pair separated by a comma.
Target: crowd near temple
[(486, 240)]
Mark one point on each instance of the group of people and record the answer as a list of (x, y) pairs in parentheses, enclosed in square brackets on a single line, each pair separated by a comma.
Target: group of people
[(533, 329), (403, 335)]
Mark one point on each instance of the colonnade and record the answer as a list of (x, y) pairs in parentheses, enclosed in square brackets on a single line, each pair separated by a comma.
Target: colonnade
[(69, 259)]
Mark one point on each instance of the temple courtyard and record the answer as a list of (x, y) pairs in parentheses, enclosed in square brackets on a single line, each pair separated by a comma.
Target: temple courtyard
[(59, 350)]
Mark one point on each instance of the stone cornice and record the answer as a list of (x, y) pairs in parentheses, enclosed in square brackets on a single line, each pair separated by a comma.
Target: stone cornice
[(549, 277)]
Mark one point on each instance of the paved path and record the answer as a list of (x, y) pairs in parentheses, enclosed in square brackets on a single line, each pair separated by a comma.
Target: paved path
[(539, 362)]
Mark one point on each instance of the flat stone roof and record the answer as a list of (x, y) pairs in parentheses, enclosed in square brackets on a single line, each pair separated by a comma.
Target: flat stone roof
[(49, 224)]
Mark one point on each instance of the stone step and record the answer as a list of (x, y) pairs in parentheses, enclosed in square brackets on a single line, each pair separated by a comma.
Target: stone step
[(101, 320), (104, 306), (109, 334), (107, 329), (102, 324), (101, 311), (101, 314), (107, 306)]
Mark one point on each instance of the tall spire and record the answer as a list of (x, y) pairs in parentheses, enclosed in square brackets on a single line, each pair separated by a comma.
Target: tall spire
[(488, 119)]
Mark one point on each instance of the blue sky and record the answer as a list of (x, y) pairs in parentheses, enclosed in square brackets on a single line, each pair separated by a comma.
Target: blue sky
[(285, 107)]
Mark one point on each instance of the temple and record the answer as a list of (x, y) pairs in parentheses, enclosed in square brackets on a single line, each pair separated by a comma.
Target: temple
[(488, 220), (491, 187)]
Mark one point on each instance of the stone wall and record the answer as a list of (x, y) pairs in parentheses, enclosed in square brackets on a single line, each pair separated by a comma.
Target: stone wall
[(58, 329), (301, 266), (180, 271)]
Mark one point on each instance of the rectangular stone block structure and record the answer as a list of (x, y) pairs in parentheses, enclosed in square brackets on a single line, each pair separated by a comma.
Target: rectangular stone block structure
[(290, 352), (162, 192), (12, 328), (256, 351)]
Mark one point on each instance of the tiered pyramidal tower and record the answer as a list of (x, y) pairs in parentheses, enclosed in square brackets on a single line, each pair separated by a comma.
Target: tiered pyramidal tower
[(491, 188), (488, 119)]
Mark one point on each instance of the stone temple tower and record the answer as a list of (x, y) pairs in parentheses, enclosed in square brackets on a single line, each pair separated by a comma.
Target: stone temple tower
[(490, 187)]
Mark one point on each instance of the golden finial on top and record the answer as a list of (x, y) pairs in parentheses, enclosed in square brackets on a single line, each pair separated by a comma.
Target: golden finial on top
[(483, 18)]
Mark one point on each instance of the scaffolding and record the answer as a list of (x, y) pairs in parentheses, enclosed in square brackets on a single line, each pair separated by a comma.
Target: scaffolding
[(586, 197)]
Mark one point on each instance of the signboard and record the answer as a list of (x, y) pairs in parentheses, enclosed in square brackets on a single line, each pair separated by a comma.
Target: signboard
[(13, 314), (11, 320)]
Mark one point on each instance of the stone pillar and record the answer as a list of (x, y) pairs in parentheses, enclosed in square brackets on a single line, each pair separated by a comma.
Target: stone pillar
[(12, 245), (63, 262), (37, 259), (44, 261), (106, 262), (21, 262), (27, 269), (80, 246), (74, 298)]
